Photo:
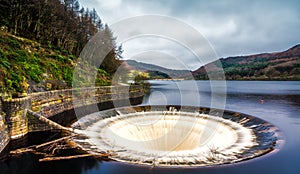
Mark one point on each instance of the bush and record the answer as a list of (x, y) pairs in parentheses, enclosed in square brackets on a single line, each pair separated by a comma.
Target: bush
[(5, 64), (58, 48), (60, 58), (36, 54), (49, 45), (2, 54), (101, 82), (34, 72), (103, 72), (14, 44), (8, 85), (65, 52), (68, 75), (54, 69), (72, 57), (21, 56)]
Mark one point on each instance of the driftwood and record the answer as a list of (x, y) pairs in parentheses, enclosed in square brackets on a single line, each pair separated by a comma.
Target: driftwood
[(20, 151), (36, 147), (64, 157), (99, 155), (52, 142), (49, 151)]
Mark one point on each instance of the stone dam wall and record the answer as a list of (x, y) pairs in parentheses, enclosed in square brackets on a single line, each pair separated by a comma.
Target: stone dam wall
[(20, 116), (4, 135)]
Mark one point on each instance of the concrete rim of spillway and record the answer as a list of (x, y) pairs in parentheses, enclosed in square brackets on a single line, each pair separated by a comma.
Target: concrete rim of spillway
[(177, 136)]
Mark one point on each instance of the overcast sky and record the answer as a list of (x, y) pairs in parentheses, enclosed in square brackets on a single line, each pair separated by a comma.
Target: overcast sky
[(232, 27)]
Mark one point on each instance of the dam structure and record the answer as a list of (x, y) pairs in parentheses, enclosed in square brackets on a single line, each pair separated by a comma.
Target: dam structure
[(49, 110)]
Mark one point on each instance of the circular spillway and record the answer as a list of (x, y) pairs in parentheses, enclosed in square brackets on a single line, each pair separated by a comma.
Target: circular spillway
[(186, 136)]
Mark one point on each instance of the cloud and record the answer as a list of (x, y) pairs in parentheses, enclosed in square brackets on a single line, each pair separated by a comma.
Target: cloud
[(233, 27), (164, 52), (110, 5)]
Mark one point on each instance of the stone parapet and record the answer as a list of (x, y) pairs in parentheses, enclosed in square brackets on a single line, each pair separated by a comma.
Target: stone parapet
[(4, 135), (15, 116), (16, 120)]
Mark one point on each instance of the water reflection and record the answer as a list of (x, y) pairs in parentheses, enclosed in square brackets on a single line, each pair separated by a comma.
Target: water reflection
[(29, 164)]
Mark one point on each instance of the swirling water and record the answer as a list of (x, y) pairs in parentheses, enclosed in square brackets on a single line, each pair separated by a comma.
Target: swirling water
[(191, 136)]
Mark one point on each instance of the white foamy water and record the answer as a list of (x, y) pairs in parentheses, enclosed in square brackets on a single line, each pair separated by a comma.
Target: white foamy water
[(169, 138)]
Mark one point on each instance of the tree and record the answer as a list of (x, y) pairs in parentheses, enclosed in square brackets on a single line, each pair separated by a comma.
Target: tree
[(110, 62), (60, 24), (4, 12)]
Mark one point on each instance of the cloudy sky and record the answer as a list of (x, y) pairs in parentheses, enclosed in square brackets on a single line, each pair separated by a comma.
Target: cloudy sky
[(230, 27)]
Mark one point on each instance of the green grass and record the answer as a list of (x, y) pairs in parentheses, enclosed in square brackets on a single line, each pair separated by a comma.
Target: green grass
[(25, 59)]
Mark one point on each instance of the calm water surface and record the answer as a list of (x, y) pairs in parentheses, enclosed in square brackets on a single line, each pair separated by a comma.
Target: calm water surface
[(280, 106)]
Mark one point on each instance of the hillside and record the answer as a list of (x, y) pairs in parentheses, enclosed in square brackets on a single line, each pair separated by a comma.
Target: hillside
[(41, 40), (25, 63), (155, 71), (267, 66)]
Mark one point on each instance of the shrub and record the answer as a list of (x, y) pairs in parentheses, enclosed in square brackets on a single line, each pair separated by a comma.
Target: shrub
[(49, 45), (36, 54), (68, 75), (72, 57), (58, 48), (2, 54), (21, 56), (5, 64), (34, 72), (60, 58), (55, 70), (65, 52), (8, 84), (14, 44)]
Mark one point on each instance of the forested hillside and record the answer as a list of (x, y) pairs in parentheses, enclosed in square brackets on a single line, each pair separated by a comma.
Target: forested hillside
[(58, 23), (40, 41), (267, 66)]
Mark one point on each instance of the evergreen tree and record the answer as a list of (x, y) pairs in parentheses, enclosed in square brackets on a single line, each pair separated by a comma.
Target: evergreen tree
[(60, 24)]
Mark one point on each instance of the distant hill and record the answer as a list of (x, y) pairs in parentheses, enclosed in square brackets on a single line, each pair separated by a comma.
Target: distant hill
[(267, 66), (156, 72)]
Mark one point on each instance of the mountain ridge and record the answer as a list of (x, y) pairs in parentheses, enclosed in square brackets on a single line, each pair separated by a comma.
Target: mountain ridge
[(155, 71), (283, 65)]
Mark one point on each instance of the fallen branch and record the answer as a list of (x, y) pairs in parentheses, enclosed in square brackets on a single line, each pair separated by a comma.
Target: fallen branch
[(37, 147), (19, 151), (51, 142), (100, 155), (47, 151), (65, 157)]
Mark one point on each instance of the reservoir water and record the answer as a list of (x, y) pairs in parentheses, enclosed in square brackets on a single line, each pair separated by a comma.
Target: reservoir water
[(275, 102)]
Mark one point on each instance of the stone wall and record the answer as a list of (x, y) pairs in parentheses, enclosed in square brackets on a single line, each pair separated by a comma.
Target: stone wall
[(57, 103), (15, 116), (54, 102), (4, 135), (38, 123)]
